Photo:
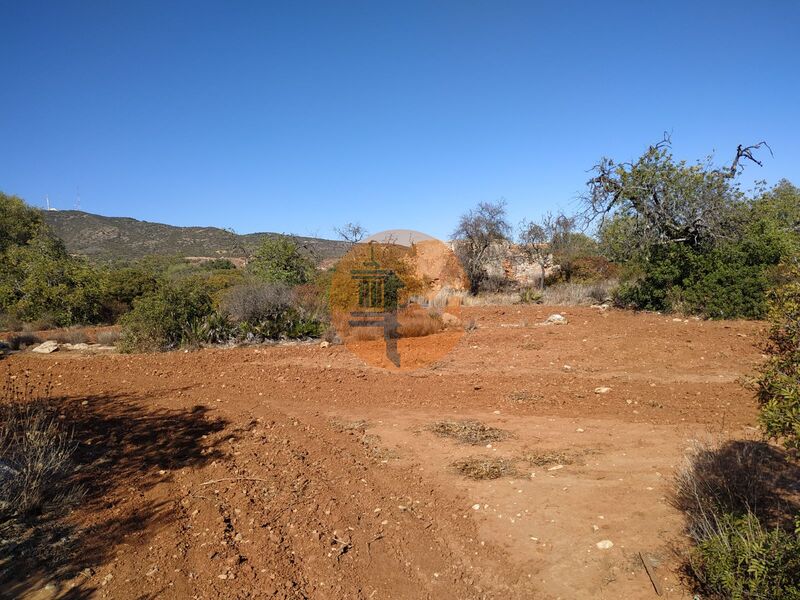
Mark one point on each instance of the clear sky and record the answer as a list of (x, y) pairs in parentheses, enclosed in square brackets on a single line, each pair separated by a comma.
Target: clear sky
[(299, 116)]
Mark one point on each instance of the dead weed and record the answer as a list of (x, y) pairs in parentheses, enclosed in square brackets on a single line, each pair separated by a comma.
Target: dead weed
[(484, 467), (468, 431)]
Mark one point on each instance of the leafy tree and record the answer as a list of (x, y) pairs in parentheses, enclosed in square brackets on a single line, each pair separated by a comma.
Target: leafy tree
[(281, 260), (477, 231), (39, 279), (664, 201), (352, 233), (18, 222)]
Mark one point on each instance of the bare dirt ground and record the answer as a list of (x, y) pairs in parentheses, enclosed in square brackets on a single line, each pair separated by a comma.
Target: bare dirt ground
[(299, 472)]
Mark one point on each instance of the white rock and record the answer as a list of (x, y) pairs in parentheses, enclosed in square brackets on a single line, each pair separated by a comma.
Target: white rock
[(604, 544), (324, 344), (556, 468), (602, 390), (476, 507), (46, 347), (556, 319)]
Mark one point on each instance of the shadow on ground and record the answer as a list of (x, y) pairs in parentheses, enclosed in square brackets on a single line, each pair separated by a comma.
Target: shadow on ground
[(122, 448)]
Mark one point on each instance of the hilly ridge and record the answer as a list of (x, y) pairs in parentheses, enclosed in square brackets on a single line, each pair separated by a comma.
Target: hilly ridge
[(106, 239)]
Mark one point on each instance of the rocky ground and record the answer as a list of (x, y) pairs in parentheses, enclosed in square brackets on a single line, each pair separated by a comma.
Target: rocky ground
[(299, 472)]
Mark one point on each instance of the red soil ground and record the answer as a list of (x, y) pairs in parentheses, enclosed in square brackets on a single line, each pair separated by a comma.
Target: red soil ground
[(299, 472)]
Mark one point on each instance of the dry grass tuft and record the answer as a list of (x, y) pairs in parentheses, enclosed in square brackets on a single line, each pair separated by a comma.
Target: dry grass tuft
[(21, 341), (70, 336), (108, 338), (35, 456), (543, 458), (484, 467), (468, 431), (575, 294), (419, 323), (523, 397)]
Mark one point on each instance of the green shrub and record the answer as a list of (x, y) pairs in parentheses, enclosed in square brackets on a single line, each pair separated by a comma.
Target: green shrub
[(779, 383), (727, 281), (281, 260), (743, 514), (743, 561), (159, 320), (530, 295), (271, 311)]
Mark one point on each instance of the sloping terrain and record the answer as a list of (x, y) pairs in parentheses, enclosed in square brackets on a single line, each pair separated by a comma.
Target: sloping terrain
[(295, 471), (114, 238)]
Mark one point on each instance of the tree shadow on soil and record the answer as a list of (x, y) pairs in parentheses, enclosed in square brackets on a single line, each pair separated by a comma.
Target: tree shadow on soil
[(124, 448), (738, 477)]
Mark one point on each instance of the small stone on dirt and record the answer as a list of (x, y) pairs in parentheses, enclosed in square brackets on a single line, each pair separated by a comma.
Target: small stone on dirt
[(556, 319), (602, 390), (324, 344), (476, 507), (604, 544)]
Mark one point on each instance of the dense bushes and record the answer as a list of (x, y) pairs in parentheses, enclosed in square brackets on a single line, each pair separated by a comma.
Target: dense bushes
[(726, 278), (779, 384), (744, 519), (270, 311), (185, 314), (161, 320), (744, 560), (741, 499)]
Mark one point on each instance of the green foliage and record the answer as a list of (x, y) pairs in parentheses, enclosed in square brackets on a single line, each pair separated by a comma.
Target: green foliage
[(40, 279), (281, 260), (779, 383), (726, 279), (160, 319), (530, 295), (745, 561), (18, 222), (271, 311)]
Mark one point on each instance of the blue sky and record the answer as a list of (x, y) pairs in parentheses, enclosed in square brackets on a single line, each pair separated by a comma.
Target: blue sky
[(299, 116)]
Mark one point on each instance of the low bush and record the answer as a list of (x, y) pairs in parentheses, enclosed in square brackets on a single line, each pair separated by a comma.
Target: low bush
[(159, 320), (743, 560), (742, 513), (579, 293), (9, 323), (779, 383), (21, 341), (270, 311), (70, 336), (108, 338), (35, 455), (530, 295)]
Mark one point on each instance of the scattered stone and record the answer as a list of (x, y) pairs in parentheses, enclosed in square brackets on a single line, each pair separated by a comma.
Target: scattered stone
[(46, 347), (476, 507), (556, 467), (556, 319), (602, 390), (80, 346), (604, 544), (324, 344)]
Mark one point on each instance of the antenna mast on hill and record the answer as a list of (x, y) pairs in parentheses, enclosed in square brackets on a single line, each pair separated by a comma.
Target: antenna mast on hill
[(78, 198), (47, 199)]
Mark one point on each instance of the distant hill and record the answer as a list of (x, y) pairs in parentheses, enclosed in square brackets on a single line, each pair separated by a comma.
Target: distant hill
[(121, 238)]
